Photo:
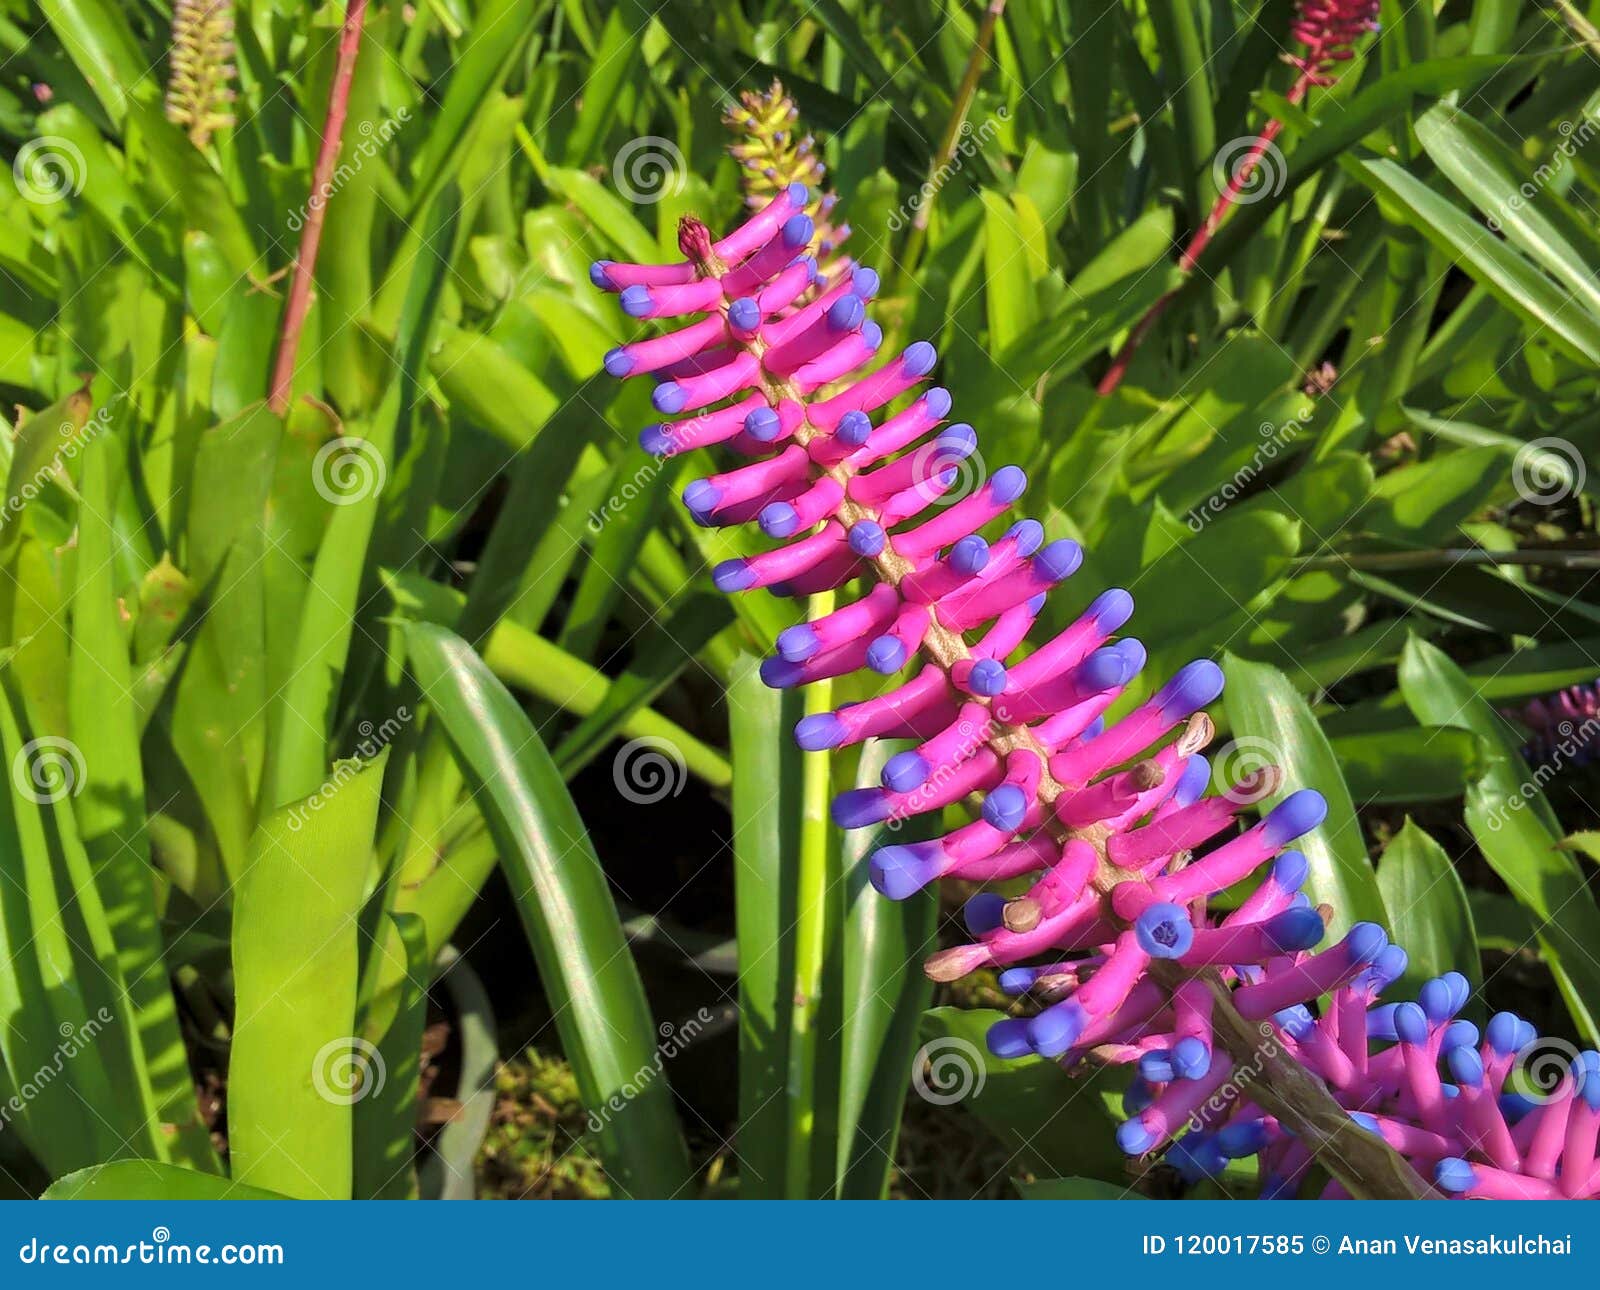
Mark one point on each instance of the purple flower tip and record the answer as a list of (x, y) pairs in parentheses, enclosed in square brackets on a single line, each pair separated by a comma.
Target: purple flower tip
[(797, 230), (983, 912), (1242, 1138), (1134, 1138), (1586, 1071), (1503, 1031), (1164, 930), (900, 873), (853, 429), (1296, 815), (937, 400), (872, 334), (598, 275), (1005, 807), (1192, 687), (701, 497), (958, 441), (1365, 941), (1057, 1028), (1191, 1059), (846, 313), (656, 440), (1437, 1000), (1008, 1039), (886, 655), (1110, 609), (1028, 535), (1466, 1066), (636, 301), (617, 362), (1290, 870), (797, 643), (864, 282), (818, 731), (1459, 1034), (919, 359), (1389, 966), (1192, 783), (668, 397), (905, 771), (1103, 669), (988, 677), (733, 575), (1020, 980), (866, 538), (969, 555), (1007, 484), (1411, 1024), (1059, 560), (1454, 1175), (1527, 1033), (799, 194), (1138, 1095), (778, 519), (1460, 990), (1296, 1021), (780, 674), (1295, 929), (745, 314), (763, 424), (1155, 1067), (859, 807)]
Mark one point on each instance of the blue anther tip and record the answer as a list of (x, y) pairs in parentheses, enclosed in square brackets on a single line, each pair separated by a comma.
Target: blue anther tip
[(1155, 1067), (819, 731), (1460, 990), (1390, 965), (598, 275), (1459, 1034), (1502, 1032), (745, 314), (733, 575), (763, 424), (1466, 1066), (1018, 980), (1059, 560), (617, 362), (1192, 783), (1055, 1029), (937, 401), (1007, 484), (1192, 687), (1164, 930), (797, 643), (872, 335), (905, 771), (1243, 1138), (1028, 535), (1191, 1059), (636, 301), (1110, 609), (919, 358), (853, 429), (1365, 941), (1411, 1023), (957, 441), (656, 440), (1295, 1020), (1134, 1138), (983, 912), (886, 655), (1437, 1000), (1295, 929), (799, 194), (864, 282), (846, 313), (1294, 817), (859, 807), (1008, 1039), (1004, 808), (1290, 870), (797, 230), (866, 537), (1102, 670), (778, 519), (701, 497), (987, 678), (969, 555), (668, 397), (779, 673), (898, 872)]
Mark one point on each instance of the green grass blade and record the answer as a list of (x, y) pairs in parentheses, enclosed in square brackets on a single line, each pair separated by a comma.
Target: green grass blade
[(605, 1025), (386, 1117), (150, 1180), (1428, 910)]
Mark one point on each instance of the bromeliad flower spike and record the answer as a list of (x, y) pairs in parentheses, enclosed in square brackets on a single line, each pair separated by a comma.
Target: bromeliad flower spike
[(1112, 945)]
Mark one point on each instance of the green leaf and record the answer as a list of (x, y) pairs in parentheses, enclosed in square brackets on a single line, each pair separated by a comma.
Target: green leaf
[(1516, 830), (1273, 723), (605, 1025), (386, 1116), (297, 1065), (1075, 1189), (150, 1180), (1415, 764), (1428, 910)]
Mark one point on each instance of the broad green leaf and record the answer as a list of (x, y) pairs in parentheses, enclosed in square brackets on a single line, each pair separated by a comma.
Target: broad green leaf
[(150, 1180), (1415, 764), (1428, 910)]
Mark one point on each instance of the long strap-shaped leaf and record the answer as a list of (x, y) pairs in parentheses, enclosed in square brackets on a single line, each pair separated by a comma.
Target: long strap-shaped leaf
[(566, 909)]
